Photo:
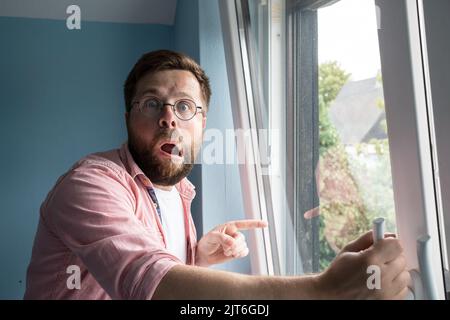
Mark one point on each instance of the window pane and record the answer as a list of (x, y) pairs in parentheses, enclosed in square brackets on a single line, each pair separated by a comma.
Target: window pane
[(316, 88), (354, 174)]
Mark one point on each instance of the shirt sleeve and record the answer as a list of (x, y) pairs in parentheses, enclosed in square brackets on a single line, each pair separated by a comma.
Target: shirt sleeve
[(92, 212)]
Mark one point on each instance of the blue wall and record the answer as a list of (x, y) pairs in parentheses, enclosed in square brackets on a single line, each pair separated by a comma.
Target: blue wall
[(222, 196), (186, 28), (61, 98), (198, 33), (186, 40)]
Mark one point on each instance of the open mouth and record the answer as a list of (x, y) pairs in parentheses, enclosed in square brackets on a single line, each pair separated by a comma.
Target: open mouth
[(172, 149)]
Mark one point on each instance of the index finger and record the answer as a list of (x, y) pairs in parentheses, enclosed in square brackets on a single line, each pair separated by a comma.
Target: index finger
[(248, 224)]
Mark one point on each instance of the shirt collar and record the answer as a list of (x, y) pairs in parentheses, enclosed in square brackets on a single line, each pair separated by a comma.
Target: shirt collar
[(184, 187)]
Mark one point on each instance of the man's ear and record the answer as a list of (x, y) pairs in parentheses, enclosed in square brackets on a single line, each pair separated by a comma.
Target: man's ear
[(204, 123)]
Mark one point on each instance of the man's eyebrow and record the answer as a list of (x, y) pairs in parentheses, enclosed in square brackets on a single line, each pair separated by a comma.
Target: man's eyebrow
[(184, 95), (180, 94), (151, 91)]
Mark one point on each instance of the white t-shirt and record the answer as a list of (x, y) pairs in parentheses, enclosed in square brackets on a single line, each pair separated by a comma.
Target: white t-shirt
[(172, 215)]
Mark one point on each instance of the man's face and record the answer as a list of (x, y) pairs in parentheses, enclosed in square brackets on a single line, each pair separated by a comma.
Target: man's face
[(162, 145)]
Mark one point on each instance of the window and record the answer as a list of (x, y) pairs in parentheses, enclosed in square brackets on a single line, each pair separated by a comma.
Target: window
[(354, 172), (335, 97)]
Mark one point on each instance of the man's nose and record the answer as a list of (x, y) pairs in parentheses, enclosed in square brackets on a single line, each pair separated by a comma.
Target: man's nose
[(167, 118)]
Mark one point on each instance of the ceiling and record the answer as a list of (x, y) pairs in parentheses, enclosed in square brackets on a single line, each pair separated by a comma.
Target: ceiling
[(124, 11)]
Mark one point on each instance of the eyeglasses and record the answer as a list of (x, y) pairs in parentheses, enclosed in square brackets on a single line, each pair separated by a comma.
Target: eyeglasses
[(184, 109)]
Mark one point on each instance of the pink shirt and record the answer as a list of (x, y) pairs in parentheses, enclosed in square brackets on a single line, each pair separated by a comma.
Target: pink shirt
[(99, 216)]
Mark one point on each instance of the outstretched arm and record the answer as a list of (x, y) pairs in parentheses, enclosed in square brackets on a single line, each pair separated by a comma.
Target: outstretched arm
[(190, 282), (346, 278)]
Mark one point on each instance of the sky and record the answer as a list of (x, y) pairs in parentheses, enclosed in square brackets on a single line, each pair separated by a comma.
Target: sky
[(348, 34)]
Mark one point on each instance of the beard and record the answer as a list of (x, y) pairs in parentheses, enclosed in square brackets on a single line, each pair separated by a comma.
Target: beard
[(162, 172)]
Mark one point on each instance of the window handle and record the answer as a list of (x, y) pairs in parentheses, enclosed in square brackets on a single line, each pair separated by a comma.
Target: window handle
[(423, 285), (422, 281), (378, 229), (423, 254)]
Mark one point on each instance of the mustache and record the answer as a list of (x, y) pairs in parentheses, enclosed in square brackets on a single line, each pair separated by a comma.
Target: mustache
[(168, 134)]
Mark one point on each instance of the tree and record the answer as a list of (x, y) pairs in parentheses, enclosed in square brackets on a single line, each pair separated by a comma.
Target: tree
[(353, 190), (342, 204), (331, 80)]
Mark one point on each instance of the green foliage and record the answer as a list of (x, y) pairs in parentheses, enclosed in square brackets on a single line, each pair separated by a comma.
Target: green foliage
[(328, 135), (374, 181), (327, 254), (342, 210), (331, 80), (355, 187)]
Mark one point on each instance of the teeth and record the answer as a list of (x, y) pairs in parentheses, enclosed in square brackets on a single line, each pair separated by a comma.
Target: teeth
[(172, 149)]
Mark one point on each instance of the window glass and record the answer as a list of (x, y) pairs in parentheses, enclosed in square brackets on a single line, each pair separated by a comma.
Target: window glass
[(354, 173), (317, 89)]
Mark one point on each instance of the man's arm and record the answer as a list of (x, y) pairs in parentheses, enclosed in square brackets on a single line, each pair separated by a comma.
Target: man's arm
[(190, 282), (346, 278), (92, 211)]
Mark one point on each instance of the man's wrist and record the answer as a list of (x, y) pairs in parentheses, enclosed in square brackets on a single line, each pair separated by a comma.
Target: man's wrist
[(322, 288), (318, 291), (199, 261), (308, 287)]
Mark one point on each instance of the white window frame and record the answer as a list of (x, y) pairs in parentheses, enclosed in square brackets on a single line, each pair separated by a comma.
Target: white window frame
[(408, 107), (435, 29), (264, 259), (404, 68)]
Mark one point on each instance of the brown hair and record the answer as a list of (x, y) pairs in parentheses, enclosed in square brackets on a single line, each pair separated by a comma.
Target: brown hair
[(164, 60)]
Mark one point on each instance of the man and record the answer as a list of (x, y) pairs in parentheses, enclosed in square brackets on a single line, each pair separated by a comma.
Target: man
[(120, 220)]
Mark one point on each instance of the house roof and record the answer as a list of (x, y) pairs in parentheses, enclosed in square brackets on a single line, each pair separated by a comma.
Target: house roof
[(355, 112)]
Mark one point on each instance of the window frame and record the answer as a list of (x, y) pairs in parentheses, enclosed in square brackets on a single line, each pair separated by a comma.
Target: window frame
[(302, 92), (408, 107), (264, 259), (434, 24), (407, 112)]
